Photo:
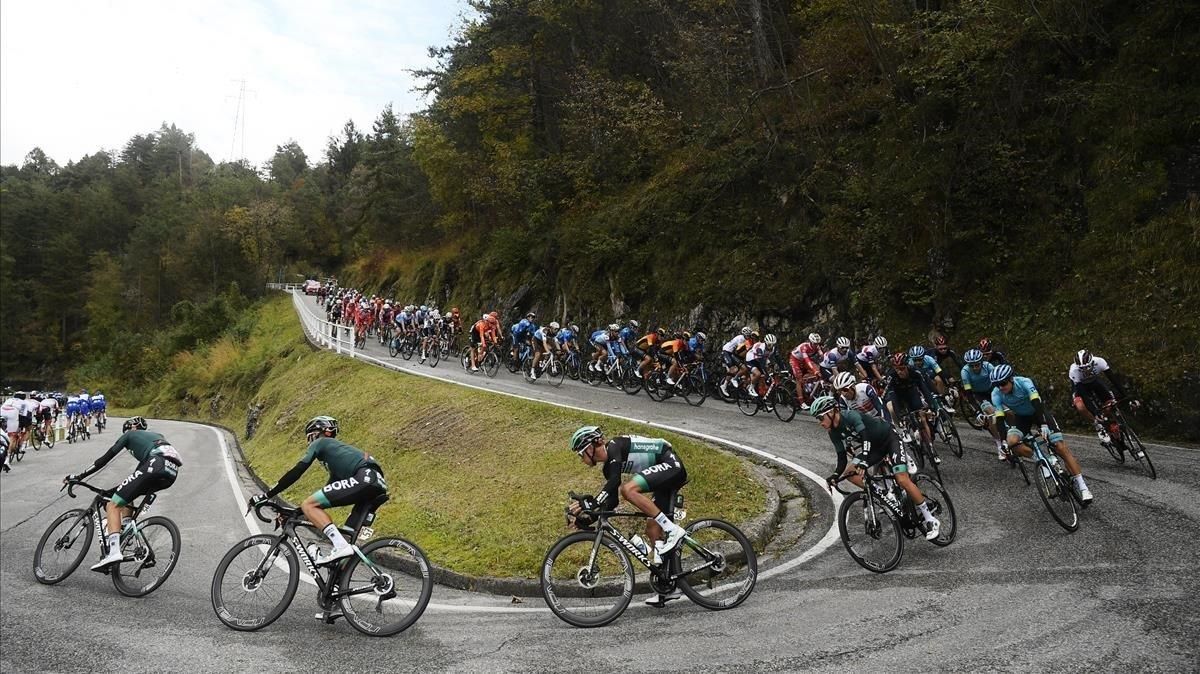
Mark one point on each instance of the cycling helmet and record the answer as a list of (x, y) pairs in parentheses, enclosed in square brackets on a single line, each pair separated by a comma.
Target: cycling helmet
[(583, 437), (973, 356), (661, 332), (770, 339), (881, 342), (486, 317), (531, 316), (917, 352), (755, 336), (424, 308), (134, 422), (554, 325), (454, 311), (573, 327), (746, 331), (985, 345), (495, 315), (491, 318), (613, 327), (814, 338), (1001, 374), (1084, 359), (843, 342), (322, 424), (685, 334), (822, 406), (898, 359), (701, 337), (633, 324), (19, 395), (939, 341), (844, 380)]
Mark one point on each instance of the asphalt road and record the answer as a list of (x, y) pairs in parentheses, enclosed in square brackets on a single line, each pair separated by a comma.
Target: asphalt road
[(1014, 592)]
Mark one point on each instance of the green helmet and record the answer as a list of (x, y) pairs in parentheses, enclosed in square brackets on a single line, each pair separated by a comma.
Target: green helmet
[(822, 405), (584, 436)]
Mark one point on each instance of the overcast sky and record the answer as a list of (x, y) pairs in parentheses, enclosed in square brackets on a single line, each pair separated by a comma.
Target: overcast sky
[(80, 76)]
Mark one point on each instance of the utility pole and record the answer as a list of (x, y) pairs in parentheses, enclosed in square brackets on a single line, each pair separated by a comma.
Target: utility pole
[(239, 120)]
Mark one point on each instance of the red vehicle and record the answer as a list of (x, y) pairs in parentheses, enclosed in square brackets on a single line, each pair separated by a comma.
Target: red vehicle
[(311, 287)]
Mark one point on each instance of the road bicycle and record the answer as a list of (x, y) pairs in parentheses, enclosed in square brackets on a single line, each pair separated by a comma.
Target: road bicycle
[(916, 445), (775, 395), (573, 363), (523, 354), (1122, 438), (403, 345), (150, 547), (588, 577), (78, 431), (489, 363), (101, 421), (873, 522), (382, 589), (39, 439), (691, 385), (550, 369), (946, 432), (1054, 486)]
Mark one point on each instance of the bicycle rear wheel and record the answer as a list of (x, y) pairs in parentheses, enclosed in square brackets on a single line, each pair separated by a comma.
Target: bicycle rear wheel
[(718, 565), (585, 589), (435, 354), (62, 547), (940, 506), (249, 590), (393, 348), (631, 383), (49, 440), (151, 553), (695, 391), (392, 590), (876, 543), (1056, 497), (464, 359)]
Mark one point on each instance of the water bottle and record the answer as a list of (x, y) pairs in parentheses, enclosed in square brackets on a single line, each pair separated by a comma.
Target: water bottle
[(640, 545), (312, 551)]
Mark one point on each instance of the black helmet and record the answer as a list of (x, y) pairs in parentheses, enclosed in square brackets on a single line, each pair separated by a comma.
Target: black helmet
[(134, 422), (322, 424)]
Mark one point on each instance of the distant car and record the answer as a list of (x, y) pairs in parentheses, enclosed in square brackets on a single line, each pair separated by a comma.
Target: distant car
[(311, 287)]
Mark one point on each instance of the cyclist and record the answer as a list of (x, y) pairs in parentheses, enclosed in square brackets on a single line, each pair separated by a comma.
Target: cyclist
[(478, 336), (454, 325), (646, 350), (696, 347), (942, 351), (835, 359), (522, 331), (99, 407), (355, 477), (47, 412), (600, 341), (568, 340), (677, 351), (881, 349), (10, 412), (387, 320), (85, 409), (991, 354), (628, 337), (907, 391), (1018, 398), (929, 368), (72, 410), (976, 377), (804, 360), (27, 409), (859, 396), (544, 341), (879, 441), (656, 470), (869, 362), (731, 355), (1089, 390), (757, 357), (4, 444), (158, 467)]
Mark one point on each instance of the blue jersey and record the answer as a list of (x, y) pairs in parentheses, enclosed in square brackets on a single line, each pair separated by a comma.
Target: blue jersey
[(979, 383), (627, 336), (566, 336), (524, 328), (98, 403), (72, 407), (1019, 400), (84, 407), (696, 346), (926, 364)]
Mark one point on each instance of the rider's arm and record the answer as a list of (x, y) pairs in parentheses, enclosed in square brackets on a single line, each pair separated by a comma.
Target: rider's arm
[(608, 497), (107, 456), (289, 478), (840, 447), (879, 406)]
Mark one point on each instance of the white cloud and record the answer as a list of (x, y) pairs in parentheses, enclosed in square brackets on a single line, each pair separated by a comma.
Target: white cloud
[(82, 76)]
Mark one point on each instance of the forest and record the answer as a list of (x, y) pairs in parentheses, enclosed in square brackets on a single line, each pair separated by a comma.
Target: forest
[(1025, 170)]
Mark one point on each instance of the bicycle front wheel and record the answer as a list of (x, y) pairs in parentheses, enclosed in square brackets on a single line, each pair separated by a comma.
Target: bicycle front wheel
[(62, 547), (717, 565), (950, 437), (556, 373), (491, 364), (388, 586), (746, 404), (940, 506), (1056, 497), (870, 533), (784, 403), (1138, 450), (152, 553), (585, 582), (255, 582)]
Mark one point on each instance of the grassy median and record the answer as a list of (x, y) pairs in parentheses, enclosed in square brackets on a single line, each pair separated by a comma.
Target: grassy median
[(478, 480)]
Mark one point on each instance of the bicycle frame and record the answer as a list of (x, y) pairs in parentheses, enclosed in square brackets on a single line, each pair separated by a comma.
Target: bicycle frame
[(327, 589)]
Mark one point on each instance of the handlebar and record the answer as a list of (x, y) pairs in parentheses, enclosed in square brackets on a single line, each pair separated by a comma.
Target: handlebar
[(280, 511), (71, 484)]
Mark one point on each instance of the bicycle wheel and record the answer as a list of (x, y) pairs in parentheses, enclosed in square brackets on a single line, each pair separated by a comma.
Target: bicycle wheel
[(407, 347), (435, 354), (926, 448), (62, 547), (717, 564), (491, 363), (695, 392), (1056, 497), (1138, 451), (585, 584), (1018, 463), (35, 441), (631, 383), (940, 506), (1114, 450), (49, 440), (390, 592), (393, 348), (151, 553), (555, 373), (948, 433), (249, 589), (747, 405), (876, 543), (513, 363), (784, 403), (464, 358), (656, 386)]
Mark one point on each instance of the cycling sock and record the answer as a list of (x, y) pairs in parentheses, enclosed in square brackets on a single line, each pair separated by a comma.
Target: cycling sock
[(1079, 482), (114, 542), (331, 532), (924, 510), (665, 522)]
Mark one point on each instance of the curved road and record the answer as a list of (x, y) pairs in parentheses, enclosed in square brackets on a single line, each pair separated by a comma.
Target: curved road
[(1013, 592)]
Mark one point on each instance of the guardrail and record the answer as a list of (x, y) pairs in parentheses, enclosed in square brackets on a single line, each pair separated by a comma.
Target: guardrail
[(334, 336)]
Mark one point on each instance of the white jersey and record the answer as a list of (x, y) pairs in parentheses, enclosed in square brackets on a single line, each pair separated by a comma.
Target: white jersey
[(49, 404), (1079, 376), (84, 397), (863, 402), (759, 350), (72, 399), (10, 409), (734, 344), (28, 407)]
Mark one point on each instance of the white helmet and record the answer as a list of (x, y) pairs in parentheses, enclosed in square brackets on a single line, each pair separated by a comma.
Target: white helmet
[(554, 325), (770, 339), (746, 331), (634, 324), (881, 342), (843, 343), (843, 380), (701, 337), (486, 316), (814, 338)]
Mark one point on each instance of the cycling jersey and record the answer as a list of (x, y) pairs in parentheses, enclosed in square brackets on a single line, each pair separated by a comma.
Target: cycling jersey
[(834, 358), (98, 403), (807, 351), (10, 411), (941, 356), (651, 461), (734, 345), (877, 437), (867, 356), (1079, 375), (866, 401), (649, 341), (627, 336), (142, 445), (566, 336), (1019, 400), (542, 334), (524, 328), (696, 346), (912, 392), (927, 365), (72, 406), (757, 352), (673, 346), (84, 406), (49, 405), (980, 382), (600, 337), (340, 459)]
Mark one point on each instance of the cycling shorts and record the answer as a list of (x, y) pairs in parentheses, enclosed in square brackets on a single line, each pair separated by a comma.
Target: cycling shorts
[(1021, 424), (759, 364), (476, 338), (984, 400), (906, 400), (890, 450), (24, 421), (363, 486), (1093, 393), (154, 474), (45, 415), (663, 479), (730, 359)]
